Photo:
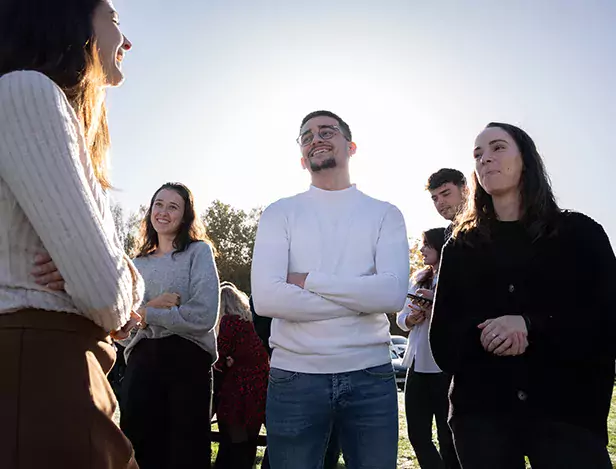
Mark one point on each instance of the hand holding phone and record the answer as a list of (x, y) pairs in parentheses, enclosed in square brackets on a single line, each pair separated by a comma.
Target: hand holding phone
[(420, 301)]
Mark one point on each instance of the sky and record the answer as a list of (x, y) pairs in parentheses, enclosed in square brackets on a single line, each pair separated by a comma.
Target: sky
[(215, 92)]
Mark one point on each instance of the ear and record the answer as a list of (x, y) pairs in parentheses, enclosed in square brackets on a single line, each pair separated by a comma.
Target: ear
[(303, 163), (352, 148)]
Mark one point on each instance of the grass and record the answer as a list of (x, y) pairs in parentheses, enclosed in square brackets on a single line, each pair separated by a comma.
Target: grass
[(406, 455)]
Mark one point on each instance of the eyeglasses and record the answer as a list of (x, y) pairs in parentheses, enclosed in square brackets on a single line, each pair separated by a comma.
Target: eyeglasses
[(326, 132)]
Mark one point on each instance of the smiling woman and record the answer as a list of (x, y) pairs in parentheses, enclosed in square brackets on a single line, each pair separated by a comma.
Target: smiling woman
[(167, 386), (532, 358), (56, 59)]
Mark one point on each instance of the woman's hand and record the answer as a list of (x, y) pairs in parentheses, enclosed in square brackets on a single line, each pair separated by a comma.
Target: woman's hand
[(417, 316), (504, 336), (426, 293), (124, 332), (46, 273), (164, 301)]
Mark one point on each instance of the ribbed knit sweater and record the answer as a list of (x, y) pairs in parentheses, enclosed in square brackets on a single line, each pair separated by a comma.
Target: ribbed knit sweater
[(50, 200)]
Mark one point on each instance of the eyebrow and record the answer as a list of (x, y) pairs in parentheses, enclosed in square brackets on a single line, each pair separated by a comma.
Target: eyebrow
[(331, 126), (493, 142)]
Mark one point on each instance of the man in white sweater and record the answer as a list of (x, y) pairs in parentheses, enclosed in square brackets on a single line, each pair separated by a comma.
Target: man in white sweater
[(328, 264)]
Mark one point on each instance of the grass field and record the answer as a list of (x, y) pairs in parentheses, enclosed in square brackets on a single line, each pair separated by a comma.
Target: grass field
[(406, 455)]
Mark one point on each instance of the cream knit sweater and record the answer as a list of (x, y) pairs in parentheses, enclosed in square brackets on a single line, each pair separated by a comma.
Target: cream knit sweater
[(50, 200)]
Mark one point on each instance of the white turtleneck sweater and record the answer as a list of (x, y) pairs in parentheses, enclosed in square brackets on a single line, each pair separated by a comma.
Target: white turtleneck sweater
[(355, 251), (50, 200)]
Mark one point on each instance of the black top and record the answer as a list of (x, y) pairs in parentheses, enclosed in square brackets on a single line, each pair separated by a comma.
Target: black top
[(566, 286), (263, 327)]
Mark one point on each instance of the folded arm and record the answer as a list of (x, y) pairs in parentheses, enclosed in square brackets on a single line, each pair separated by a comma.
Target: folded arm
[(198, 315), (385, 290), (42, 150), (272, 295)]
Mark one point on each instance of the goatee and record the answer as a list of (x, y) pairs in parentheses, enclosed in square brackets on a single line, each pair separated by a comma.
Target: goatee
[(325, 164)]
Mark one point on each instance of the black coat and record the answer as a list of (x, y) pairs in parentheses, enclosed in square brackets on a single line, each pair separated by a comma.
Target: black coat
[(566, 286)]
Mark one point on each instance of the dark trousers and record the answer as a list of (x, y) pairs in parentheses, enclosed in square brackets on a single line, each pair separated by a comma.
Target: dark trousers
[(425, 399), (166, 404), (502, 442), (234, 452)]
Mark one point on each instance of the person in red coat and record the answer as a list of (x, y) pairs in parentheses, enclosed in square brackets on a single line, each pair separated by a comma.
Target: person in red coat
[(243, 367)]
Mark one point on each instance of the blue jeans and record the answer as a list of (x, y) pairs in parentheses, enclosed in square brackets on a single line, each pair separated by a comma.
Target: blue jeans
[(361, 405)]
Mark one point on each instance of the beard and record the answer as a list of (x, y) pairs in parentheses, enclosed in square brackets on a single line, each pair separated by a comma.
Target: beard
[(325, 164)]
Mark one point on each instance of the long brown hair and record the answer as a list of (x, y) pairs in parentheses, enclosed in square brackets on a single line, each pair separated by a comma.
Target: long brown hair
[(539, 208), (191, 229), (56, 38)]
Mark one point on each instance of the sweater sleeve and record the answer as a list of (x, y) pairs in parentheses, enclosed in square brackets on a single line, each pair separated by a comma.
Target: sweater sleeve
[(402, 315), (199, 313), (454, 336), (272, 295), (42, 149), (385, 290)]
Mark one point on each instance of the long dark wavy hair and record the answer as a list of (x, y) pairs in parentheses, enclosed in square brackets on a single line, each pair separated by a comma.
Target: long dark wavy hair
[(191, 228), (434, 238), (539, 208), (56, 38)]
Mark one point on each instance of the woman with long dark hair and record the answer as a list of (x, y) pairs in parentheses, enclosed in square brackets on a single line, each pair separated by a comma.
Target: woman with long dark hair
[(426, 387), (524, 318), (56, 60), (166, 392)]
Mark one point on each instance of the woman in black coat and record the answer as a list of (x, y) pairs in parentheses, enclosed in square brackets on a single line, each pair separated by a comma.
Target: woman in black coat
[(524, 318)]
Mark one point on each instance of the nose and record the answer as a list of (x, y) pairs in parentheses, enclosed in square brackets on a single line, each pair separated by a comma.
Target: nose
[(127, 44), (486, 158)]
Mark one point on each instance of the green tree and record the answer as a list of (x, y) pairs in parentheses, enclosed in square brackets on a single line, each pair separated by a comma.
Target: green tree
[(128, 226), (232, 232)]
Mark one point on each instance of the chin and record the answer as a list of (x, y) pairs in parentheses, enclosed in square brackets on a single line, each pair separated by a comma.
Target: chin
[(115, 78)]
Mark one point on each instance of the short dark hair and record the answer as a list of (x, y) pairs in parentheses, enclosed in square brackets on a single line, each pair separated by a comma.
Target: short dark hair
[(445, 175), (344, 127)]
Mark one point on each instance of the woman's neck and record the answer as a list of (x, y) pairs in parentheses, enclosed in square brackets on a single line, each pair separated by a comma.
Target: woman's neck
[(165, 245), (508, 207)]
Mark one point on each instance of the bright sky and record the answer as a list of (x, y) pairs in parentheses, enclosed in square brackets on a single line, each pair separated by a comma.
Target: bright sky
[(215, 92)]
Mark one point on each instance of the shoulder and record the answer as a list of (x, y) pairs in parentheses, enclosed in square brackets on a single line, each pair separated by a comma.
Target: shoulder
[(199, 251), (578, 226), (384, 210), (282, 208), (28, 97), (572, 219), (33, 84)]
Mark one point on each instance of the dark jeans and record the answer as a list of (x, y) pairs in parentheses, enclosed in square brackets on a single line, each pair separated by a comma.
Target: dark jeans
[(332, 454), (302, 410), (166, 404), (502, 442), (425, 399)]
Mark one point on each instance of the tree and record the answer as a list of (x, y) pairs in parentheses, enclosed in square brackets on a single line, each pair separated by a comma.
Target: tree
[(416, 261), (233, 233), (128, 226)]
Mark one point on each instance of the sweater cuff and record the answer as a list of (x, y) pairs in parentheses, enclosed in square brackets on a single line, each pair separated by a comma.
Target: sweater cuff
[(154, 316)]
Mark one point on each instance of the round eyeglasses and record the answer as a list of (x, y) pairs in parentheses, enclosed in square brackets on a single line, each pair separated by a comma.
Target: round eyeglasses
[(326, 132)]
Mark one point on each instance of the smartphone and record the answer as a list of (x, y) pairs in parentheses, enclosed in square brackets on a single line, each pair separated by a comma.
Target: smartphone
[(419, 300)]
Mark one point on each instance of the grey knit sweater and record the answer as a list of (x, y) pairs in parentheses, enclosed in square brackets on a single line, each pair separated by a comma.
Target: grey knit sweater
[(192, 274)]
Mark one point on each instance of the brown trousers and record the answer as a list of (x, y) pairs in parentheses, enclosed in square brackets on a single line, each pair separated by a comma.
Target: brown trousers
[(56, 405)]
